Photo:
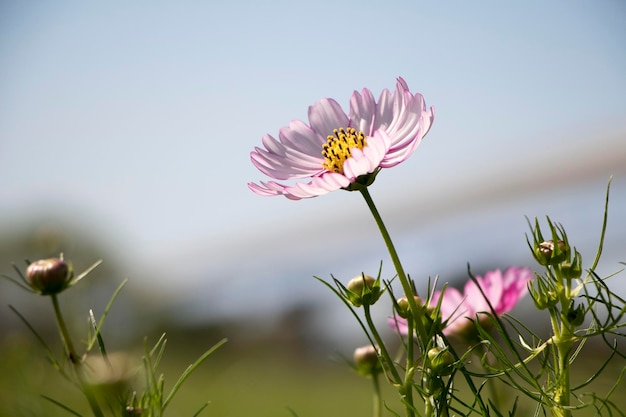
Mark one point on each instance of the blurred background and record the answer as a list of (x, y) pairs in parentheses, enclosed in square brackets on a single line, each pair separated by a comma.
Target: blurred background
[(125, 133)]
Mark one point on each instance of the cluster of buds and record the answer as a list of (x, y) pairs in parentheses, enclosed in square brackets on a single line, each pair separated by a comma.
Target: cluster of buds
[(564, 263), (556, 252)]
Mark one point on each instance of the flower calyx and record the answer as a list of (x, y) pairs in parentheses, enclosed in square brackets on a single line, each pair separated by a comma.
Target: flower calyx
[(361, 290), (575, 315), (440, 361), (554, 251), (544, 292)]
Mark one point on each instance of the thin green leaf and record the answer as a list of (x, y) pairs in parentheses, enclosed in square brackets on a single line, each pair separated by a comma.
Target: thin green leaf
[(85, 273), (604, 222), (96, 336), (94, 326), (349, 307), (16, 282), (190, 370), (19, 272), (43, 343), (158, 354), (63, 406), (197, 413)]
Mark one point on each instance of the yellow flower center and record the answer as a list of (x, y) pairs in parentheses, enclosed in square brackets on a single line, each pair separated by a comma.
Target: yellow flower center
[(338, 147)]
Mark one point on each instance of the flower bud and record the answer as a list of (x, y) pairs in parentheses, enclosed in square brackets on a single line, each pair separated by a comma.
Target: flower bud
[(549, 254), (110, 377), (366, 361), (432, 320), (441, 361), (404, 308), (48, 276), (574, 269), (543, 292), (363, 290), (575, 315)]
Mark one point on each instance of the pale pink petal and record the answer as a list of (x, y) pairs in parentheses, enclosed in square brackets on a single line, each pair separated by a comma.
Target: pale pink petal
[(399, 324), (515, 282), (407, 141), (503, 290), (451, 305), (368, 159), (301, 137), (357, 165), (327, 115), (363, 111)]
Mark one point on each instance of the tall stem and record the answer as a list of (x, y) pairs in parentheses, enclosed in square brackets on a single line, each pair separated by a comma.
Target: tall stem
[(404, 281), (65, 336), (563, 340), (73, 357), (562, 391), (406, 388)]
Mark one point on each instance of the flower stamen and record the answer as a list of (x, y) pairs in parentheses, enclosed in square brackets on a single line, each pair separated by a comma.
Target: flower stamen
[(339, 145)]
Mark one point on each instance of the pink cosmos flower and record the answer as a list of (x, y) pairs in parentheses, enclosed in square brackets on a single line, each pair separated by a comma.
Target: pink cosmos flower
[(502, 289), (335, 149)]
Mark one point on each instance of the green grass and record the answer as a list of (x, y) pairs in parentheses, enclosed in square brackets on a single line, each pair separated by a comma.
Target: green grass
[(236, 381)]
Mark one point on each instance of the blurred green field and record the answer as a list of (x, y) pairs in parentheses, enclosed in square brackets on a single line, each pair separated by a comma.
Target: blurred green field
[(238, 380), (252, 382)]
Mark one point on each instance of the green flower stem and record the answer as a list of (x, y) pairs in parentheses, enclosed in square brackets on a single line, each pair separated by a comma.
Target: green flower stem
[(429, 408), (65, 336), (404, 281), (562, 391), (381, 346), (563, 341), (73, 356), (406, 389)]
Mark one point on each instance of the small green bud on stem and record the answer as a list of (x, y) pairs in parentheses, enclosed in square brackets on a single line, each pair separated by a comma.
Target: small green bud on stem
[(575, 315), (441, 361), (404, 309), (363, 290), (366, 361)]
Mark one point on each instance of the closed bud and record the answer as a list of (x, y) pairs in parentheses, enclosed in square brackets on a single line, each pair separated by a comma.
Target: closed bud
[(363, 290), (441, 361), (49, 276), (543, 292), (574, 269), (366, 361), (404, 308), (112, 373), (550, 252), (432, 320), (575, 315)]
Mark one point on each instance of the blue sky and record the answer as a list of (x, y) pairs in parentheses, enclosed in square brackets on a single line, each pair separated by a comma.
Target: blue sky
[(136, 119)]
